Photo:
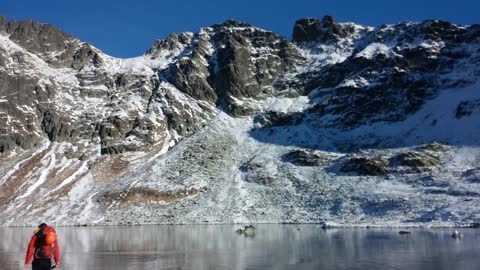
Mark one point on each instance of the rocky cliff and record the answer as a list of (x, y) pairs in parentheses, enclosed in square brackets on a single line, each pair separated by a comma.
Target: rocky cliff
[(344, 124)]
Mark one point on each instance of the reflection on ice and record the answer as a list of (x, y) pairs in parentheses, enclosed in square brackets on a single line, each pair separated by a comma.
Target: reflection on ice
[(273, 247)]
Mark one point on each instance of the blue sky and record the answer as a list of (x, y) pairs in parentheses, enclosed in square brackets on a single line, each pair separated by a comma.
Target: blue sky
[(126, 28)]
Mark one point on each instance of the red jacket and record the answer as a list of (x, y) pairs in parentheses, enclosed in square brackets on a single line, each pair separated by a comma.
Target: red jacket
[(48, 250)]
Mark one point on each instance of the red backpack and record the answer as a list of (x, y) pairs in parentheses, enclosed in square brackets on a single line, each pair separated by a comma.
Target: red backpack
[(46, 237)]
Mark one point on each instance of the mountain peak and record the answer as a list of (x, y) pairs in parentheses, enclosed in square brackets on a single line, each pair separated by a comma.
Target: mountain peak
[(325, 30), (36, 37), (173, 42), (230, 23), (6, 25), (3, 23)]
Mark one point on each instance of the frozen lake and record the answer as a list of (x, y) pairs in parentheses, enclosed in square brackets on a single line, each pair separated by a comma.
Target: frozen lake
[(211, 247)]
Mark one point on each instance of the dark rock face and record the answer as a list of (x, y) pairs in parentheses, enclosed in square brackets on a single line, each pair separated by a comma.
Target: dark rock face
[(30, 107), (83, 55), (48, 42), (190, 75), (441, 30), (467, 108), (19, 89), (366, 165), (234, 69), (248, 61), (275, 119), (325, 30), (38, 38), (229, 66), (3, 23), (382, 70), (227, 63), (82, 104), (394, 89), (472, 176), (50, 125)]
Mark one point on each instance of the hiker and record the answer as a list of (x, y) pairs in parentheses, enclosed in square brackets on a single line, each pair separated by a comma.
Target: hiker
[(43, 241)]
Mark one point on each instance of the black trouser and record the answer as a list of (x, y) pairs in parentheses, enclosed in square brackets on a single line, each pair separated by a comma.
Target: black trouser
[(42, 264)]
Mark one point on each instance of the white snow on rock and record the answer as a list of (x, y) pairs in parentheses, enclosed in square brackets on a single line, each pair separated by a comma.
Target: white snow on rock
[(235, 170), (375, 49)]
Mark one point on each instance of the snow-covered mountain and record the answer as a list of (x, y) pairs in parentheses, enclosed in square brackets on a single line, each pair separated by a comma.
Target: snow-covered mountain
[(343, 124)]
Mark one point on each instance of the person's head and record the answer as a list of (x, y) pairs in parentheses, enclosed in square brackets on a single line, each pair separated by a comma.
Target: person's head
[(43, 225)]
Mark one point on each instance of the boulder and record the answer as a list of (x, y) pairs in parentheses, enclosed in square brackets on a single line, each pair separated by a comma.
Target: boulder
[(305, 157), (250, 230), (377, 165), (417, 161), (457, 235), (275, 119), (247, 231)]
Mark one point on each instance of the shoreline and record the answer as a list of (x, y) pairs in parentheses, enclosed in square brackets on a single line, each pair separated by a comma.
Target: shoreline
[(325, 226)]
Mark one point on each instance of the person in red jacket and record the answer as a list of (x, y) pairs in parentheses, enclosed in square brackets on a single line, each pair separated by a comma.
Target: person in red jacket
[(42, 245)]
